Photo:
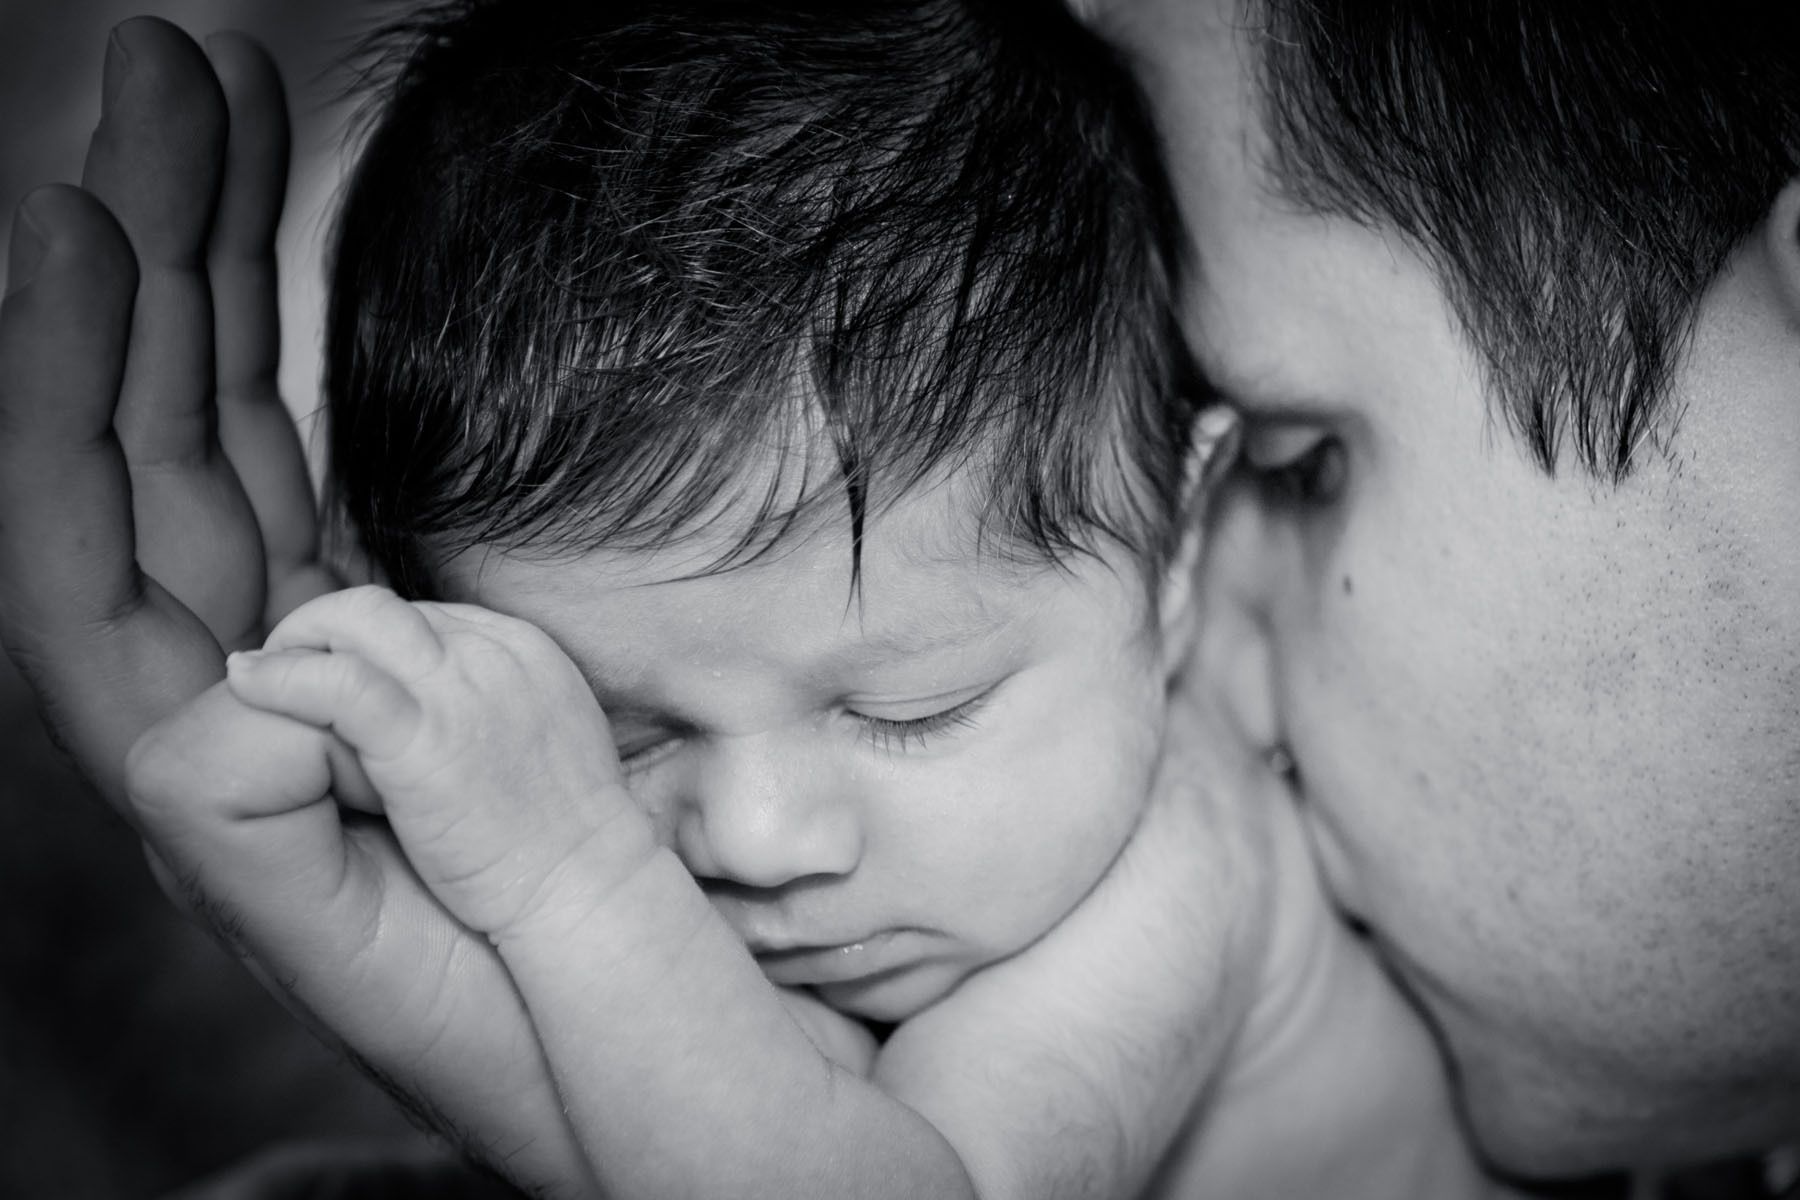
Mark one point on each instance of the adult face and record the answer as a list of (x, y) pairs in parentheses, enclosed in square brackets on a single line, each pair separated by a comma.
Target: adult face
[(1546, 731), (882, 787)]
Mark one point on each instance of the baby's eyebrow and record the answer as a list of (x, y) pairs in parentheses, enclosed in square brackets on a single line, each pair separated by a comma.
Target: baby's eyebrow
[(613, 693), (915, 639), (631, 692)]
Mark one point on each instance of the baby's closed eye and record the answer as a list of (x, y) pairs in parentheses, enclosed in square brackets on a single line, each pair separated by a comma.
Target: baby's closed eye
[(897, 734), (892, 726)]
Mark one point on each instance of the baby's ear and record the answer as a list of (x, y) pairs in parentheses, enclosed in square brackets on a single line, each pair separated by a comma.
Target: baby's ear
[(1211, 451)]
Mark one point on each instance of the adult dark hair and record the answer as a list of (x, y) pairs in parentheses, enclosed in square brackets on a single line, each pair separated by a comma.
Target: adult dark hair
[(605, 270), (1577, 173)]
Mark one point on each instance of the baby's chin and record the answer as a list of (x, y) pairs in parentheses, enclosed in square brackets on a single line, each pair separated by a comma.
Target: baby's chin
[(896, 995)]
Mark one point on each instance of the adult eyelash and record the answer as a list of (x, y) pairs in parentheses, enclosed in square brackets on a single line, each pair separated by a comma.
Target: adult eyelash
[(896, 736), (1313, 477)]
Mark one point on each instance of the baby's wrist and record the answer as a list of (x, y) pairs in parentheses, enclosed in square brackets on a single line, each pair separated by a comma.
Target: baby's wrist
[(615, 950), (596, 882)]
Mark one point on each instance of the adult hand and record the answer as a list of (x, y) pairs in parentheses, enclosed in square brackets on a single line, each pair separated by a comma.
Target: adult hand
[(154, 501), (155, 510)]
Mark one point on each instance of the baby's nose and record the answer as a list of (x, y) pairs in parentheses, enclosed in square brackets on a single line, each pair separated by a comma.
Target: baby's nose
[(762, 815)]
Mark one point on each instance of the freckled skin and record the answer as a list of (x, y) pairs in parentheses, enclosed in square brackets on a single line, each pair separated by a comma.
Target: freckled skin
[(1547, 737)]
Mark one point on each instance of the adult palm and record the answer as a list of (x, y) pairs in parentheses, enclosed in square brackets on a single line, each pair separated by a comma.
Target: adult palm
[(155, 511)]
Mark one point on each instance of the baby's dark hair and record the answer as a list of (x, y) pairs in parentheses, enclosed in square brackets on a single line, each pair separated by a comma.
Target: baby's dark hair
[(606, 271)]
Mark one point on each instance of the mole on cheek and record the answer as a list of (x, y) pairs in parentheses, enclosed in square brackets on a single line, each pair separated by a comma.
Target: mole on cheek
[(1349, 588)]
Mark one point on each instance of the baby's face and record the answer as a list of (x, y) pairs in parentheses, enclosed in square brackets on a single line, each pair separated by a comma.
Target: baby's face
[(881, 791)]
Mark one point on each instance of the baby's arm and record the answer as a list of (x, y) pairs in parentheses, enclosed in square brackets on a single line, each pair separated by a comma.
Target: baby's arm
[(1065, 1072), (684, 1071)]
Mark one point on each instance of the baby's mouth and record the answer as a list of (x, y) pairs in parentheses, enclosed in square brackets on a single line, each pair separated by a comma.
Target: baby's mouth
[(841, 962)]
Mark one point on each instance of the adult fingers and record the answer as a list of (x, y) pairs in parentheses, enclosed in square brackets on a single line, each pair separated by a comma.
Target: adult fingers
[(156, 160), (255, 429), (107, 651), (66, 537)]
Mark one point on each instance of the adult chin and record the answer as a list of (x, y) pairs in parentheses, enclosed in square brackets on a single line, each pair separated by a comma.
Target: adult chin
[(1530, 1120), (1542, 1104)]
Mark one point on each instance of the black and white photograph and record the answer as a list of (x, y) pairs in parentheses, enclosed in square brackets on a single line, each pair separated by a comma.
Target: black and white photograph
[(900, 600)]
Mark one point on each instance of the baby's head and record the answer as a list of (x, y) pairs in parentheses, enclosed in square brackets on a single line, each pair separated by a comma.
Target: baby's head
[(808, 372)]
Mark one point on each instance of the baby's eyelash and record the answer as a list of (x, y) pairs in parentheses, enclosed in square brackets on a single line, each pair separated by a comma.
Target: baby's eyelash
[(899, 736), (635, 762)]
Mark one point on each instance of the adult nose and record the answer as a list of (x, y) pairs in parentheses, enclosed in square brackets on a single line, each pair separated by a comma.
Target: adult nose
[(761, 814)]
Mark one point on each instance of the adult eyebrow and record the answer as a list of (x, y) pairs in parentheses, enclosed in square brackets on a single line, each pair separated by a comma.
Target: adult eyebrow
[(1257, 386), (1269, 404), (1256, 393)]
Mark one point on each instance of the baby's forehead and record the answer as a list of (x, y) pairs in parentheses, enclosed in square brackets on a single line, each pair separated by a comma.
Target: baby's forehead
[(932, 536), (919, 575), (783, 493)]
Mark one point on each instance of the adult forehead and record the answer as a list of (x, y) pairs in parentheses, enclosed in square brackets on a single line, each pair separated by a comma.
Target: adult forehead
[(1262, 263), (1196, 58)]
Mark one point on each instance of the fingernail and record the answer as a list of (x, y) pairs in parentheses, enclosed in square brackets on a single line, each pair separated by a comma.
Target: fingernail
[(27, 250), (118, 62)]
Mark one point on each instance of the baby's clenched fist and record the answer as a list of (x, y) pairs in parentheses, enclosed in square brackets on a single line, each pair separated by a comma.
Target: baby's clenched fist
[(474, 734)]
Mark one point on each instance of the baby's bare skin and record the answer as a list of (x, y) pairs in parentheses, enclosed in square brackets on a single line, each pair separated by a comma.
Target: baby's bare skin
[(484, 749), (483, 746)]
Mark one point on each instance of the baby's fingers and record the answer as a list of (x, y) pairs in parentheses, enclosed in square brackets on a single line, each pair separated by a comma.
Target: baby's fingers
[(360, 702), (370, 623)]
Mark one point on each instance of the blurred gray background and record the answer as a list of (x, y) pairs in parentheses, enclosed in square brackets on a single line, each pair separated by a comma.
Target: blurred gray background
[(134, 1054)]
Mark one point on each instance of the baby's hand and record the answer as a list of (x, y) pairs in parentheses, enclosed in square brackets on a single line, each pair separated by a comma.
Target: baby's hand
[(241, 809), (482, 742)]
